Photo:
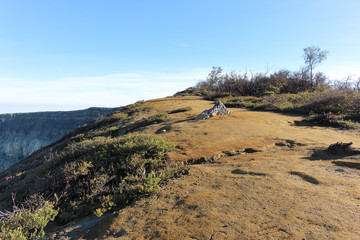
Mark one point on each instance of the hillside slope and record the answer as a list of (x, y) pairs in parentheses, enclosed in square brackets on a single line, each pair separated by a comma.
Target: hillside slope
[(254, 175), (262, 184)]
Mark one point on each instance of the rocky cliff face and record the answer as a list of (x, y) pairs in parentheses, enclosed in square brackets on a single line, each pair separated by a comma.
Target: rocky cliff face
[(23, 133)]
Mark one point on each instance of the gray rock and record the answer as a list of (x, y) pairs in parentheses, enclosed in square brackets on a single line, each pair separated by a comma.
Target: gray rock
[(218, 109)]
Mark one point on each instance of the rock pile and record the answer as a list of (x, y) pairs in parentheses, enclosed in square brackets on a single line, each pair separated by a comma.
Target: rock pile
[(218, 109)]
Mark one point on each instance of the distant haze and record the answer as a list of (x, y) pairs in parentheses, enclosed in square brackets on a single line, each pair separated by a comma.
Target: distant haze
[(101, 91)]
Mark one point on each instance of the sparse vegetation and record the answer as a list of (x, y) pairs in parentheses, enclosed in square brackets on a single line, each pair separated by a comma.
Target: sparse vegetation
[(132, 106), (100, 173), (158, 118), (106, 165), (97, 174), (303, 92), (141, 109), (28, 220), (99, 169)]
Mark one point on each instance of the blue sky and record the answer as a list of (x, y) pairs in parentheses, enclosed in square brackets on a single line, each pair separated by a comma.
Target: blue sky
[(62, 55)]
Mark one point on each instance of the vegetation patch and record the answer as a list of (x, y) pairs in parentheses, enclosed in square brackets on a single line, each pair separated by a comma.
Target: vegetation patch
[(331, 120), (105, 121), (101, 167), (158, 118), (132, 106), (28, 220), (98, 174), (154, 119), (141, 109), (95, 175), (334, 105)]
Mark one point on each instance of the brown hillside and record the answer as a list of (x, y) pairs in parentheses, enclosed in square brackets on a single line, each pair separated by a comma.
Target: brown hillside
[(258, 180)]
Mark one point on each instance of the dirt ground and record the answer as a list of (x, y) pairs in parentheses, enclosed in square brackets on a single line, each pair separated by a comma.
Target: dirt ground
[(261, 183)]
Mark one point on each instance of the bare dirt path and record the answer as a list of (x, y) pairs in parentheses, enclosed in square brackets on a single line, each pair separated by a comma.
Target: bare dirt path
[(263, 184)]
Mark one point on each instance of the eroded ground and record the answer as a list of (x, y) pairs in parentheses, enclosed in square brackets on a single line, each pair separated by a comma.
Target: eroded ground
[(262, 183)]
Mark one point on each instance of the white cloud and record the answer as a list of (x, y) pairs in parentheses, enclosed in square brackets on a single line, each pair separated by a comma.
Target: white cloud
[(106, 91)]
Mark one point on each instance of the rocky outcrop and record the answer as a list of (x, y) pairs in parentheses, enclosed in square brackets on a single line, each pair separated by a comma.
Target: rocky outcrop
[(218, 109), (23, 133)]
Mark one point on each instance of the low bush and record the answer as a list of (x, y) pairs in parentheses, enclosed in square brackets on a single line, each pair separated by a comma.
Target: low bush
[(96, 174), (286, 91), (103, 165), (102, 122), (141, 109), (332, 120), (158, 118), (132, 106), (28, 220), (325, 107)]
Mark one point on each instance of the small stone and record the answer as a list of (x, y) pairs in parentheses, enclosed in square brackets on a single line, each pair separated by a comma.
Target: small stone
[(218, 109)]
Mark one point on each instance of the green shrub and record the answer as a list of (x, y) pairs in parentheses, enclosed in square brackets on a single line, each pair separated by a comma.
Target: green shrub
[(214, 96), (331, 120), (101, 122), (132, 106), (105, 132), (267, 93), (120, 169), (28, 220), (158, 118), (142, 109)]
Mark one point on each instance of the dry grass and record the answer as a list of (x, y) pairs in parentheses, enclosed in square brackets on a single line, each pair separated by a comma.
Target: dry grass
[(276, 192)]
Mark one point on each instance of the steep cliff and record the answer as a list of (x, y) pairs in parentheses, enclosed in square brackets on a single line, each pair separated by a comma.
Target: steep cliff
[(23, 133)]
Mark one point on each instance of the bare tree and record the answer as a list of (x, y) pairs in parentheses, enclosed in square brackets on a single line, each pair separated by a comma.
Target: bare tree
[(214, 77), (313, 56), (357, 85)]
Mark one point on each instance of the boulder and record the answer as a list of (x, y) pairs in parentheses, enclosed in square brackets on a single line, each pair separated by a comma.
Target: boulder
[(218, 109)]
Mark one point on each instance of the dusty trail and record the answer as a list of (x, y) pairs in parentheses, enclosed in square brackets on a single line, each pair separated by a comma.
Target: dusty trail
[(272, 191)]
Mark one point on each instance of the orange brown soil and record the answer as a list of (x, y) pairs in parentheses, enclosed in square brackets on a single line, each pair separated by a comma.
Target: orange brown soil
[(275, 192)]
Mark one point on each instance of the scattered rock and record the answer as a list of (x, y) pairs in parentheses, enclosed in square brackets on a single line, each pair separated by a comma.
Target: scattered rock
[(218, 109)]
